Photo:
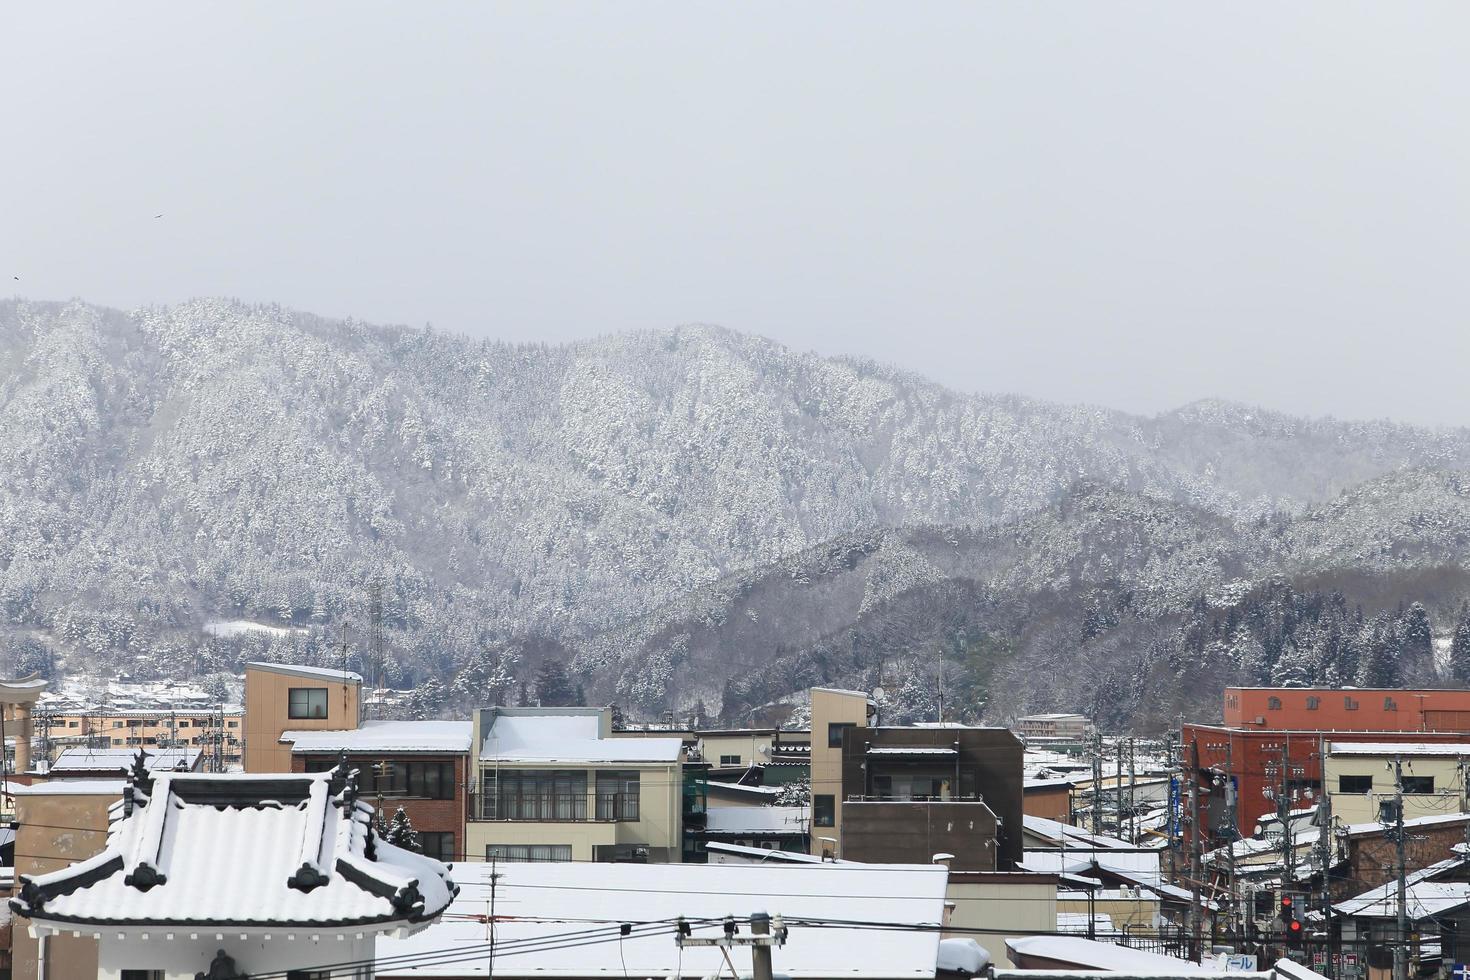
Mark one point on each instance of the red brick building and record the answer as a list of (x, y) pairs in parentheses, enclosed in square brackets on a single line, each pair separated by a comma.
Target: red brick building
[(1317, 709), (422, 766)]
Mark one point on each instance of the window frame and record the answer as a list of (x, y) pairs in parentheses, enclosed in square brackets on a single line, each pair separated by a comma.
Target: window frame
[(309, 695), (824, 810), (1343, 788), (835, 730), (1424, 785)]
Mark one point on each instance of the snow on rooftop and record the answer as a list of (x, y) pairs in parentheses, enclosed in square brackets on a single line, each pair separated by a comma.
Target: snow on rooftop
[(911, 750), (1373, 827), (386, 736), (1089, 954), (569, 738), (1399, 748), (546, 897), (1070, 834), (80, 759), (1382, 901), (756, 821), (204, 849), (71, 787), (297, 670)]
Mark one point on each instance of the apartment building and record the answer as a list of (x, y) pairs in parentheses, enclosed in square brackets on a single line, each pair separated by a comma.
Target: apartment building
[(1351, 709), (834, 712), (421, 766), (287, 697), (553, 784), (1050, 726), (1359, 777), (215, 732)]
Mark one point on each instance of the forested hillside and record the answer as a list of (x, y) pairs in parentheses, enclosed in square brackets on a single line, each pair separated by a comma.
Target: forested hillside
[(685, 515)]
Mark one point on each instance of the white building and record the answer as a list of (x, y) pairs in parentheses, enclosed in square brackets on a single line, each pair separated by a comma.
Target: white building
[(278, 872)]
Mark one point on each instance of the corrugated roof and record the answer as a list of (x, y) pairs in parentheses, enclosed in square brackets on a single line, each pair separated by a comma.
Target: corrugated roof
[(757, 821), (79, 759)]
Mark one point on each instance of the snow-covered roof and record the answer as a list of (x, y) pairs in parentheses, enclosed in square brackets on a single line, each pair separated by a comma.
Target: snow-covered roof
[(257, 850), (765, 853), (71, 787), (1425, 896), (386, 736), (297, 670), (1088, 954), (762, 792), (1374, 827), (911, 750), (1055, 830), (757, 821), (1398, 748), (568, 737), (120, 761), (550, 899), (963, 956)]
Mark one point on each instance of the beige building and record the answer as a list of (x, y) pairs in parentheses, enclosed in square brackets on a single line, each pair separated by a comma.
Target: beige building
[(1359, 776), (743, 748), (284, 697), (1126, 907), (553, 784), (212, 732), (1053, 726), (993, 906), (834, 711), (59, 823)]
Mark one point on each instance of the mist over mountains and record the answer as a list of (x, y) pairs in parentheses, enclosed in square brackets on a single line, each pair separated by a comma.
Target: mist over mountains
[(691, 516)]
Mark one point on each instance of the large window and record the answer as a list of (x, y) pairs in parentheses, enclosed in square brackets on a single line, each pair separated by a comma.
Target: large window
[(835, 730), (824, 812), (729, 760), (534, 794), (1355, 784), (528, 852), (307, 702), (430, 780), (1419, 784), (617, 795), (438, 845)]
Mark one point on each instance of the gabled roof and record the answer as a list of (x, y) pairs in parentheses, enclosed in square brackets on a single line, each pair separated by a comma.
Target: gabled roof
[(315, 673), (1425, 896), (1088, 954), (386, 736), (757, 821), (288, 850)]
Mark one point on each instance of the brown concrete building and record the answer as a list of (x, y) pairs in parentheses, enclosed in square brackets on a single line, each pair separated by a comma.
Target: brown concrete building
[(1372, 856), (912, 793), (1049, 798), (284, 697), (58, 823), (422, 766)]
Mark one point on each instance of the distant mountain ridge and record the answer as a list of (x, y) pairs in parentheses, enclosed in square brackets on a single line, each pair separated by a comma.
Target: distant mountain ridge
[(174, 465)]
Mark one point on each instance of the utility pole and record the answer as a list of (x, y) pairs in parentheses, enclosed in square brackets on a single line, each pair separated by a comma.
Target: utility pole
[(1132, 792), (1283, 814), (1231, 833), (1096, 780), (766, 931), (760, 956), (1325, 851), (1196, 846), (1118, 789), (1177, 785), (1401, 948)]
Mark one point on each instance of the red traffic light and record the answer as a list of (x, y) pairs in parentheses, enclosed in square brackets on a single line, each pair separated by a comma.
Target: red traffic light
[(1294, 926), (1286, 901)]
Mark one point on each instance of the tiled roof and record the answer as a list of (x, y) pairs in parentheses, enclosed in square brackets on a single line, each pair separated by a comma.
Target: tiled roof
[(253, 850)]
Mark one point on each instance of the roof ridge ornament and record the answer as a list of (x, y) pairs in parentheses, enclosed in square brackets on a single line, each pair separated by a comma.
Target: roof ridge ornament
[(222, 967), (139, 775)]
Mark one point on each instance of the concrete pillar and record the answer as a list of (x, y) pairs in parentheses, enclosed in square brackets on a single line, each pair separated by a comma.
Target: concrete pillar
[(22, 738)]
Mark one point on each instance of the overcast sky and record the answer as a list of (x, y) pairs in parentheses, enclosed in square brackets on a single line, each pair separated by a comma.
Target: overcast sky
[(1137, 205)]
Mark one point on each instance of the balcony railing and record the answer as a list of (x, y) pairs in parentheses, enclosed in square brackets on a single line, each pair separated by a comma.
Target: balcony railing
[(557, 807), (913, 798)]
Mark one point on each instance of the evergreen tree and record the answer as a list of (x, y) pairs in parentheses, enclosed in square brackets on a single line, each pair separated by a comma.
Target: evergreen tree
[(1460, 647), (1380, 665), (553, 687), (401, 833)]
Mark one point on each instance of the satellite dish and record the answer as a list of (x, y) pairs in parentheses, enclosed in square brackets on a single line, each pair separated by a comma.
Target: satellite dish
[(764, 751), (877, 692)]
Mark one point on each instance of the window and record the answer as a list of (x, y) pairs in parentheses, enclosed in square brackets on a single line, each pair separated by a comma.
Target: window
[(1273, 704), (117, 724), (834, 732), (1355, 784), (823, 810), (233, 724), (184, 723), (142, 975), (438, 845), (71, 724), (117, 741), (308, 975), (617, 795), (729, 760), (1313, 703), (429, 780), (1349, 704), (534, 794), (1419, 784), (528, 852), (307, 702), (1388, 705)]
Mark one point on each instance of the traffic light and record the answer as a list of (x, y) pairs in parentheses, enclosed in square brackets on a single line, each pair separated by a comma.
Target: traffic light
[(1291, 921)]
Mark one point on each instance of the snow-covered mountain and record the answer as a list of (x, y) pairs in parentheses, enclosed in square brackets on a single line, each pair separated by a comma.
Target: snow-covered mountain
[(212, 461)]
